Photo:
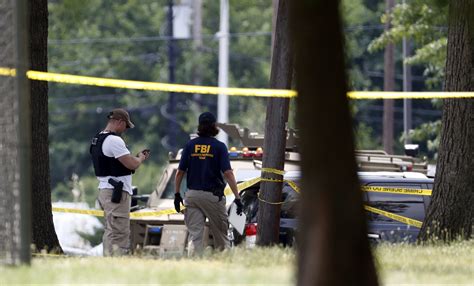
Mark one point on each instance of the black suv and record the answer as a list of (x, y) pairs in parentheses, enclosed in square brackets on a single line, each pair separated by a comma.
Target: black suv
[(380, 227)]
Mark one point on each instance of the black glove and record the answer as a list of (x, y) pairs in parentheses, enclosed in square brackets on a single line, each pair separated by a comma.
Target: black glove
[(240, 206), (177, 200)]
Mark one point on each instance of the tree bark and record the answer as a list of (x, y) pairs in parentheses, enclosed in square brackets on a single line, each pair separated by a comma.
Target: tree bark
[(388, 85), (333, 248), (450, 214), (275, 130), (44, 235)]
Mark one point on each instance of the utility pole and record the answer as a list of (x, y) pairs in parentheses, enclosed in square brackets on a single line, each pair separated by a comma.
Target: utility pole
[(389, 85), (275, 128), (24, 119), (407, 86), (197, 41), (172, 128), (223, 99)]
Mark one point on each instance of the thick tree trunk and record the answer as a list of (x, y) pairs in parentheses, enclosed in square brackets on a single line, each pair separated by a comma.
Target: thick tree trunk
[(388, 85), (333, 248), (44, 235), (450, 214), (11, 232), (275, 132)]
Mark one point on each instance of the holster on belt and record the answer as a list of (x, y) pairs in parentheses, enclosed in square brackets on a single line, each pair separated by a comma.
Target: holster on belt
[(118, 188), (219, 191)]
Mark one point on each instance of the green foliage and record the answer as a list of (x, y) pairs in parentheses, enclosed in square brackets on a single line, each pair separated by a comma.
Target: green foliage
[(358, 20), (427, 135), (364, 138), (125, 39), (62, 192), (424, 23)]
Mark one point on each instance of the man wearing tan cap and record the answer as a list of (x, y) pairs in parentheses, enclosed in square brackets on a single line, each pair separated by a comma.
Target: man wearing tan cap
[(114, 166)]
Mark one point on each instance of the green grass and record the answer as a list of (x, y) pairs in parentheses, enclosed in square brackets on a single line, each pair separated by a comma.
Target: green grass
[(429, 264), (238, 266), (396, 264)]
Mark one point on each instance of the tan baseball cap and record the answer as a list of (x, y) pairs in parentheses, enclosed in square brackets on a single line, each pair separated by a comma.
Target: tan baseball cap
[(121, 114)]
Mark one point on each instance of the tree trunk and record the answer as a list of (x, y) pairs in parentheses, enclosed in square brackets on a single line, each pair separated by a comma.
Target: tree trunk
[(275, 130), (44, 235), (450, 214), (12, 235), (333, 248), (388, 85)]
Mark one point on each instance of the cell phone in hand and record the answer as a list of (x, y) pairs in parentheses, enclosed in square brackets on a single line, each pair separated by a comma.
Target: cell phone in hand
[(146, 151)]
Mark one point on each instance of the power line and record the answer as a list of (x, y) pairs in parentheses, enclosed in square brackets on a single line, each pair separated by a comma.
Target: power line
[(148, 39), (116, 40)]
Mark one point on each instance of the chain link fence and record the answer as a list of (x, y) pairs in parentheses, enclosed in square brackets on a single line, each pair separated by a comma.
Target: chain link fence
[(9, 155)]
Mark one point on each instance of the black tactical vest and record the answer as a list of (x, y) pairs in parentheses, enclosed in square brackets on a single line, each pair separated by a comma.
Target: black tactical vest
[(103, 165)]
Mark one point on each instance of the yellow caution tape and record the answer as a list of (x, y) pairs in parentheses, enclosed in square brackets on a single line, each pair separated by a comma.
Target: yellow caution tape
[(242, 186), (273, 171), (97, 213), (294, 186), (407, 95), (142, 85), (419, 192), (182, 88), (100, 213), (154, 213), (267, 202), (396, 217), (7, 72), (256, 180)]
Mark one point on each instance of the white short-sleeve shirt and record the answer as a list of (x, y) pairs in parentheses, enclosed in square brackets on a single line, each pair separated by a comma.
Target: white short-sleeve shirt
[(114, 146)]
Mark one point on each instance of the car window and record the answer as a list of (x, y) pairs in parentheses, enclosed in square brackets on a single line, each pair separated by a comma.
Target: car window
[(168, 193), (290, 198), (411, 206)]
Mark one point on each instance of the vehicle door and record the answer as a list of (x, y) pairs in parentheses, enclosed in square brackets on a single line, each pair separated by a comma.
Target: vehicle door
[(406, 205)]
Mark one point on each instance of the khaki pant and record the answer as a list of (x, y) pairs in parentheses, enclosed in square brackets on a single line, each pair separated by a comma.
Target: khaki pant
[(116, 239), (199, 205)]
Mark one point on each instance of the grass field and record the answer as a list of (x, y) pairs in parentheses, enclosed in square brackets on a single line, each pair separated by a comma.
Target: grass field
[(396, 264)]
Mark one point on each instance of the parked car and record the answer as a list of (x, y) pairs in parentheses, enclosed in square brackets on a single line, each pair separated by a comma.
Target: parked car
[(380, 227), (247, 163)]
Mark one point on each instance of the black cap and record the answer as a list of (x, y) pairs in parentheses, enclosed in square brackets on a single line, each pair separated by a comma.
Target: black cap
[(207, 117)]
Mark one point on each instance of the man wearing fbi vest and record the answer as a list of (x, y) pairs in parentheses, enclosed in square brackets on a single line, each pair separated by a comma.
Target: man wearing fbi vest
[(205, 161)]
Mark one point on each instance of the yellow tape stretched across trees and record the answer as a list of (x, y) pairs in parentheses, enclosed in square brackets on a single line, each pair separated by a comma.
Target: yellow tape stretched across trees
[(143, 85), (182, 88), (273, 171), (7, 72), (407, 95)]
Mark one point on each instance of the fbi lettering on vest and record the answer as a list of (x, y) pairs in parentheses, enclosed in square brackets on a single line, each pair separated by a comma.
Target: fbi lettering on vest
[(202, 151)]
